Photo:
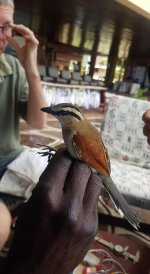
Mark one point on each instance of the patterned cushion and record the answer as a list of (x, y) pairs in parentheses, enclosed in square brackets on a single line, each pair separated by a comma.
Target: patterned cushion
[(133, 182), (129, 153)]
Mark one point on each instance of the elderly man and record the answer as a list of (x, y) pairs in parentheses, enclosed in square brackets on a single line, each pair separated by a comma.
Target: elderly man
[(20, 87)]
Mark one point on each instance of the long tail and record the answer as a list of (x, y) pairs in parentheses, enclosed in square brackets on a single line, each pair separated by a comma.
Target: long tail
[(120, 203)]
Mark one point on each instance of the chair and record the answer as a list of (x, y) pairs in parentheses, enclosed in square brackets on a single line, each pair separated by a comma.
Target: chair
[(86, 80), (42, 71), (65, 77), (76, 78), (43, 74), (53, 74), (122, 133), (95, 82)]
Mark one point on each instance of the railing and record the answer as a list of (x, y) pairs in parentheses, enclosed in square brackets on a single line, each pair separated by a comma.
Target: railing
[(82, 96)]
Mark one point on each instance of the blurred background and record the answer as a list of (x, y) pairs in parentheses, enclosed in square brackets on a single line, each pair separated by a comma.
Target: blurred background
[(106, 39)]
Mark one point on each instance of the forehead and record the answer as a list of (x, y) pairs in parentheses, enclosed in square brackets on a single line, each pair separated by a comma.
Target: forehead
[(6, 14)]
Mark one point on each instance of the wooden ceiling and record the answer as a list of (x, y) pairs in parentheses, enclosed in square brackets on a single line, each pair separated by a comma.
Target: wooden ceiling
[(88, 25)]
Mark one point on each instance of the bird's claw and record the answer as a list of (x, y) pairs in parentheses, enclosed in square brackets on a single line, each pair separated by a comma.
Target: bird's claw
[(47, 151)]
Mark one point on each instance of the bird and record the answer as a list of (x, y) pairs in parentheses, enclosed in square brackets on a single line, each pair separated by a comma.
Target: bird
[(84, 142)]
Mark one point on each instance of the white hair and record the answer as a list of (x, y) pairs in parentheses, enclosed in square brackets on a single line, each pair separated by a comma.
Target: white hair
[(9, 3)]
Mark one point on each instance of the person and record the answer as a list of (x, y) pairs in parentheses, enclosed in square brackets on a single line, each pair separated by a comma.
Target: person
[(146, 128), (5, 222), (20, 85), (59, 221)]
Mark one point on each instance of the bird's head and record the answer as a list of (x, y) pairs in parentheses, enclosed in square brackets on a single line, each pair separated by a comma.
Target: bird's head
[(65, 113)]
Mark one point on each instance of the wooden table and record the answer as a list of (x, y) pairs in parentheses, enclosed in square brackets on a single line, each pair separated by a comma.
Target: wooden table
[(100, 89), (141, 267)]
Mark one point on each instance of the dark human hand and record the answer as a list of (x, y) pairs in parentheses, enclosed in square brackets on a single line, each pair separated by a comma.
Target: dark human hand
[(55, 228), (146, 128)]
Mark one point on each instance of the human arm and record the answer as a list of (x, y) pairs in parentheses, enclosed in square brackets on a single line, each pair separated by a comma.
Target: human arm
[(27, 54), (146, 128), (58, 223), (5, 222)]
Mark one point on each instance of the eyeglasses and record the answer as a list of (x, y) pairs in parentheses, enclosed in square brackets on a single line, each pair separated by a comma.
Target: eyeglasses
[(7, 31)]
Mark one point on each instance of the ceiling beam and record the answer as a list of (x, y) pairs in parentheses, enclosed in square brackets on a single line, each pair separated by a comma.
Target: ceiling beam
[(138, 8)]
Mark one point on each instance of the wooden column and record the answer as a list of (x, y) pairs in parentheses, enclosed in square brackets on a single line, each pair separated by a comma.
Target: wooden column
[(113, 56), (94, 50)]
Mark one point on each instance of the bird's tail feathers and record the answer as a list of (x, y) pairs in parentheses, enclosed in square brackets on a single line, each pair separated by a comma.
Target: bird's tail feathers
[(120, 203)]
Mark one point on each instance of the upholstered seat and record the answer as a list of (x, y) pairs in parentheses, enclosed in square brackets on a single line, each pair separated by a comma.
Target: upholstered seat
[(53, 73), (42, 71), (76, 78), (86, 80), (65, 76), (129, 153)]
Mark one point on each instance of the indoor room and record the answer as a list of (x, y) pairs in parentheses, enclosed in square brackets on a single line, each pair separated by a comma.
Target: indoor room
[(75, 137)]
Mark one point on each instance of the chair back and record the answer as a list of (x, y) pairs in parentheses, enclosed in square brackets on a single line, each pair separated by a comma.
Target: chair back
[(53, 72), (76, 76), (66, 74), (42, 70)]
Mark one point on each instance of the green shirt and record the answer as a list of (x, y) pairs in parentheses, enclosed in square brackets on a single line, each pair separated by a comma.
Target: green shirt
[(13, 102)]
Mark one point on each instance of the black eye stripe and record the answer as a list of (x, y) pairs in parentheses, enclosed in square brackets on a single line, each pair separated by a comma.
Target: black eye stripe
[(66, 112)]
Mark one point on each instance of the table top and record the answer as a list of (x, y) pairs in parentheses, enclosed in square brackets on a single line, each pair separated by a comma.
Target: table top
[(134, 244), (101, 88)]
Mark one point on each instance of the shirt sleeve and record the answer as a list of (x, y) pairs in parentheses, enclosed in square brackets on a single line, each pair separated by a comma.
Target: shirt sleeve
[(23, 91)]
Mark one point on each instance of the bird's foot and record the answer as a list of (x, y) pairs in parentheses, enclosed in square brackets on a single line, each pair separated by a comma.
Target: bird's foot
[(47, 151)]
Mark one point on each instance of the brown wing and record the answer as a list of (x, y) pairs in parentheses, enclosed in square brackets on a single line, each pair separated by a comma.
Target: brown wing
[(93, 152)]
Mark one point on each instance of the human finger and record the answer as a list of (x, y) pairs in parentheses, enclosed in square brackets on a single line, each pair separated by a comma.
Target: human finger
[(77, 180), (32, 39), (148, 141), (92, 193), (5, 222), (14, 43), (21, 29), (146, 117), (146, 131)]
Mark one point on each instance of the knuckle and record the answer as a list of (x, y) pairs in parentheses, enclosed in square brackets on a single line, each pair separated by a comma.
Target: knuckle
[(91, 230), (71, 218), (20, 25)]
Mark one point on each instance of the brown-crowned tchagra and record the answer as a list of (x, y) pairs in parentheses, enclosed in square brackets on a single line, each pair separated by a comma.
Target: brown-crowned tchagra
[(83, 142)]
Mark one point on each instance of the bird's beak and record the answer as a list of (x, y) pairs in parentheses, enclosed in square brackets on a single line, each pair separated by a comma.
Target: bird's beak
[(48, 110)]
